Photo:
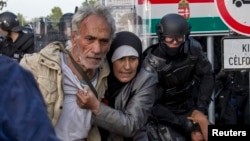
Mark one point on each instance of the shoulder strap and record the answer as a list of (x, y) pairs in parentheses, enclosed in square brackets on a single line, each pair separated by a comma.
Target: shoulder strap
[(86, 78)]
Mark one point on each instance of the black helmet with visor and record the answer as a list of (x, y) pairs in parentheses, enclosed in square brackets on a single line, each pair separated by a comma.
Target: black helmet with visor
[(173, 27), (9, 22)]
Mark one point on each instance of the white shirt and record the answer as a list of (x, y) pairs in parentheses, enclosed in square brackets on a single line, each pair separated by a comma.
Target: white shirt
[(74, 122)]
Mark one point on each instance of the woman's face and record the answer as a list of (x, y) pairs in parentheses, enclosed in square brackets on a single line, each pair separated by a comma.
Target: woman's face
[(125, 68)]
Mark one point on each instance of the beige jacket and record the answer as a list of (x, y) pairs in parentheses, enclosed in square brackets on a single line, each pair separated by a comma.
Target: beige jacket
[(46, 68)]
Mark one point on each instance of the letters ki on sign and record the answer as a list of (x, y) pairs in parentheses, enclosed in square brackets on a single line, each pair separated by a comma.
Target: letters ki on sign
[(236, 53)]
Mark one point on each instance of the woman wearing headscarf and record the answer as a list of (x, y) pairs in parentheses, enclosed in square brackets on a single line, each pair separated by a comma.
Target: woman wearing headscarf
[(123, 114)]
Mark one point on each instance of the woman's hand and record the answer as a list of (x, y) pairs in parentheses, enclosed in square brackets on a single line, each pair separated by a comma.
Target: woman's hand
[(86, 99)]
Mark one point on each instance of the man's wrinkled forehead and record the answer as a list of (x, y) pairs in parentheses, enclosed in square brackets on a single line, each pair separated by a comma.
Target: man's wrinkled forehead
[(96, 26)]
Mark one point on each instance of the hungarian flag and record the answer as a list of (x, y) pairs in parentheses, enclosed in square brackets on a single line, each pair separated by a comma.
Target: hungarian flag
[(183, 5), (172, 1), (183, 8)]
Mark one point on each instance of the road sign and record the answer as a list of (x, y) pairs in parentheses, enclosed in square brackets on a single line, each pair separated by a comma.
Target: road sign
[(202, 15), (236, 53), (234, 14)]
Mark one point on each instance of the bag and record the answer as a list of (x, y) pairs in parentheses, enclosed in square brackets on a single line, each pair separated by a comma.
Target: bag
[(159, 132)]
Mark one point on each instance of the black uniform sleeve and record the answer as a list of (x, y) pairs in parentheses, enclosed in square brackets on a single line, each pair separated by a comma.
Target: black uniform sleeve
[(161, 114), (206, 77)]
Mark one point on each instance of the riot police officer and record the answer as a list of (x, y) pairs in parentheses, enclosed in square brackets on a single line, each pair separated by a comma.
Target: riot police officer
[(16, 43), (186, 79), (65, 27), (45, 31)]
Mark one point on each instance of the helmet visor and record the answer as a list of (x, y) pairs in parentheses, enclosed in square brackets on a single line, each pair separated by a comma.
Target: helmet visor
[(171, 38)]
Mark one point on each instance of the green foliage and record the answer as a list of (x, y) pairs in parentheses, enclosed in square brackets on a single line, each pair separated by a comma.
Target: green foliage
[(55, 15), (92, 2), (2, 4), (21, 19), (89, 2)]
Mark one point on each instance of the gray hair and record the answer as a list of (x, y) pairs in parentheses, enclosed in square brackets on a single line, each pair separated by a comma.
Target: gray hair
[(97, 9)]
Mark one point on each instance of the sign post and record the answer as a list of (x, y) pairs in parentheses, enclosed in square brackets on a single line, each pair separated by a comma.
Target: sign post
[(237, 57), (236, 53)]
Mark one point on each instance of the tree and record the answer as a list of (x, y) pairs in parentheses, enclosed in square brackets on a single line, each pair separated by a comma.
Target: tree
[(55, 16), (89, 2), (92, 2), (2, 4), (21, 19)]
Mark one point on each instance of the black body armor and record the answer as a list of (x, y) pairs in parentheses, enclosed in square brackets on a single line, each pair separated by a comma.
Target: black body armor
[(177, 76)]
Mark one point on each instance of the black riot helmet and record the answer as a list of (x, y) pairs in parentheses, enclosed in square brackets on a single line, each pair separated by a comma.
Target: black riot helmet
[(65, 26), (9, 22), (65, 21), (172, 24)]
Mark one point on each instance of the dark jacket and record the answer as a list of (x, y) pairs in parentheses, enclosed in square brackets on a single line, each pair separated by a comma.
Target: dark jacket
[(22, 109), (186, 82), (132, 106), (6, 47), (24, 44)]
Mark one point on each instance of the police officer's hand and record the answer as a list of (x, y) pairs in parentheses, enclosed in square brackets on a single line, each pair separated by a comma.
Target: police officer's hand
[(198, 117), (197, 136), (201, 119)]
